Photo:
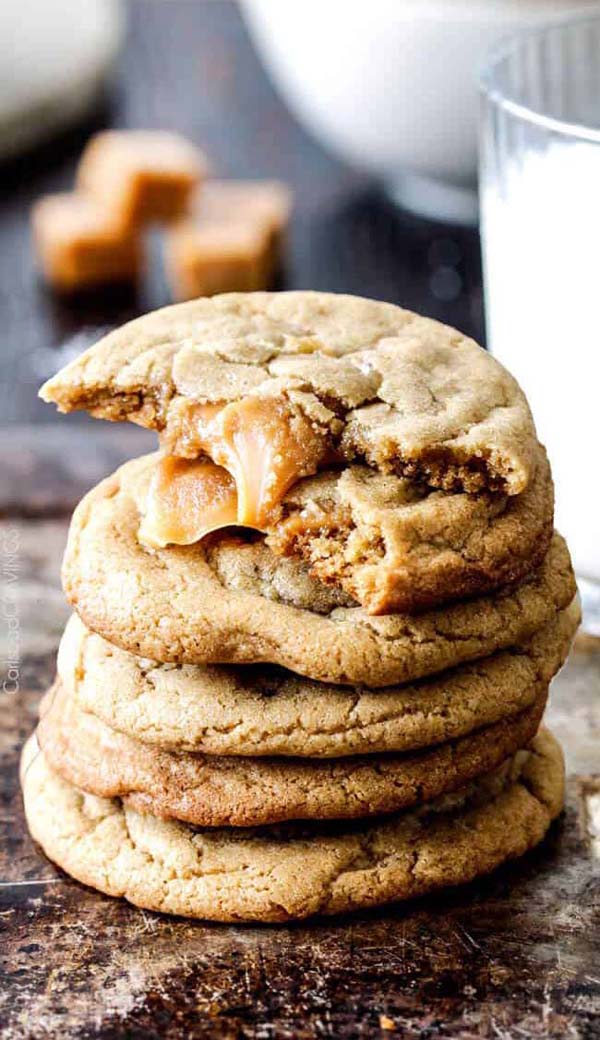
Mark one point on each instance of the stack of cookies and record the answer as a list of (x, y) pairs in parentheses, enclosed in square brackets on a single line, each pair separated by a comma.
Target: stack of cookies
[(314, 633)]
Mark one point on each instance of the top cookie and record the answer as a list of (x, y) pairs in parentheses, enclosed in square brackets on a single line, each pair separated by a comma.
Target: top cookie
[(326, 375)]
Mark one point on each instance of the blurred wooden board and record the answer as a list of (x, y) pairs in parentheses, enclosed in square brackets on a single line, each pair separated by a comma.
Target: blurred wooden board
[(45, 469)]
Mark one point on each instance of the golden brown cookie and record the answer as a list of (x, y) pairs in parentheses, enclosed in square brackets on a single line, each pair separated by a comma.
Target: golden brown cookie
[(196, 605), (294, 870), (373, 383), (259, 710), (391, 545), (216, 791)]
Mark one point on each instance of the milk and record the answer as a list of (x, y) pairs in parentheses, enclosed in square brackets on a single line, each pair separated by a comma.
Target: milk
[(541, 231)]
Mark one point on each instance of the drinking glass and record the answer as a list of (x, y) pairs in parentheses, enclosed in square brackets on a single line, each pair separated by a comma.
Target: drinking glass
[(540, 219)]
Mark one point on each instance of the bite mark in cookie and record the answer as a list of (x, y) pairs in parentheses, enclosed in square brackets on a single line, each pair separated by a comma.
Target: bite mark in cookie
[(394, 545)]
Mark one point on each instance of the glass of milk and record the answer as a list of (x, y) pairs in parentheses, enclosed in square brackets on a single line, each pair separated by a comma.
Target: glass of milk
[(540, 210)]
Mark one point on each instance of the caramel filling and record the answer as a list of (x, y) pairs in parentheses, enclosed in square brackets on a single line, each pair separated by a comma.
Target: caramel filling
[(187, 498), (265, 444), (259, 447)]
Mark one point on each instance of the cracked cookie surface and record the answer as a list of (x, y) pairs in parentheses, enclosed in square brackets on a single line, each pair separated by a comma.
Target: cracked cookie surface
[(293, 870), (255, 711), (217, 791), (399, 392), (195, 605)]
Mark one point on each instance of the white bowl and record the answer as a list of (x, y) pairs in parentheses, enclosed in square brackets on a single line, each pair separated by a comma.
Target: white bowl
[(55, 57), (390, 85)]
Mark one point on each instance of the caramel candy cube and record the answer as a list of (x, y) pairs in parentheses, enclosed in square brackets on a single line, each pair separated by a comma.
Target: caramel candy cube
[(230, 241), (215, 259), (267, 203), (140, 176), (78, 246)]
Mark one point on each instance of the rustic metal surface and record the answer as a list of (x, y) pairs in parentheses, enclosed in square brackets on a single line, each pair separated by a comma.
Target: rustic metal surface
[(517, 955)]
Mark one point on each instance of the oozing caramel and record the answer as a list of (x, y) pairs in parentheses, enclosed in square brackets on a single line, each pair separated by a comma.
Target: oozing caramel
[(259, 447), (265, 443), (187, 499)]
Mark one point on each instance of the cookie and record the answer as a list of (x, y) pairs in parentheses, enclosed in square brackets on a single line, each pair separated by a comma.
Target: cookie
[(390, 544), (256, 711), (293, 871), (365, 380), (216, 791), (175, 604)]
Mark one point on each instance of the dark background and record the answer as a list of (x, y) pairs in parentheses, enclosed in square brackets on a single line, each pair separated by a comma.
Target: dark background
[(189, 66)]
